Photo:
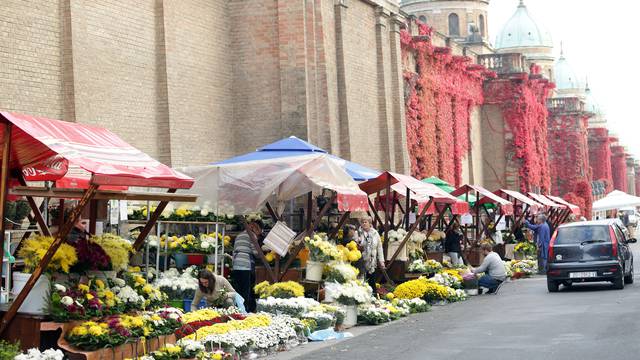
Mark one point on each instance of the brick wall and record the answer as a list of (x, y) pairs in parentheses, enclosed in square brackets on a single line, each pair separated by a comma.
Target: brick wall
[(31, 57)]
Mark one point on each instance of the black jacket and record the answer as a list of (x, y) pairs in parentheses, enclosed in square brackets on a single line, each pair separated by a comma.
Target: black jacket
[(452, 242)]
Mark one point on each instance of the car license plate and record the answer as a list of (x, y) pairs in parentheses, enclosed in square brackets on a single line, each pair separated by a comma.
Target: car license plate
[(582, 275)]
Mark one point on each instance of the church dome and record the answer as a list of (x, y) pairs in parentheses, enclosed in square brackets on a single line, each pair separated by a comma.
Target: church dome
[(565, 77), (522, 31), (591, 104)]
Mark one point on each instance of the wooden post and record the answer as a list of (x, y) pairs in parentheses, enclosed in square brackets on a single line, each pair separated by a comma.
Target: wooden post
[(341, 222), (387, 212), (153, 218), (37, 215), (4, 187), (304, 233), (409, 233), (376, 216), (46, 259), (407, 210), (272, 212), (93, 216)]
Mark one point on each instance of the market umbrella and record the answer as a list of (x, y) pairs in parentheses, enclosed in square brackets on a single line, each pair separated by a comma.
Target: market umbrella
[(293, 146), (616, 200), (448, 188)]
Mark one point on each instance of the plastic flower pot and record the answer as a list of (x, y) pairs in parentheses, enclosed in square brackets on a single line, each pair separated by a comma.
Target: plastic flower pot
[(181, 260), (314, 270), (187, 304), (195, 259), (35, 302)]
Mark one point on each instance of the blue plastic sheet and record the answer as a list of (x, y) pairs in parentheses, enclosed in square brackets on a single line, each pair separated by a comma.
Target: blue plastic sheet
[(328, 334), (240, 303)]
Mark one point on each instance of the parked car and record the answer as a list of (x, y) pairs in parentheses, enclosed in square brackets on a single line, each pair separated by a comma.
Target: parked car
[(590, 251)]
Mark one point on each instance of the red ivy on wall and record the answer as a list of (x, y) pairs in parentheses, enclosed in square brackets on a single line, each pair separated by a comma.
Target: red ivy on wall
[(637, 184), (569, 158), (600, 156), (523, 104), (619, 168), (441, 91)]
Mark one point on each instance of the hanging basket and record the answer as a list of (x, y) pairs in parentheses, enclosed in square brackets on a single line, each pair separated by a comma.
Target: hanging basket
[(314, 270)]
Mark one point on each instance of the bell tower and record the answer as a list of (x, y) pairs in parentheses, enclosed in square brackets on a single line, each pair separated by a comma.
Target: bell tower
[(463, 20)]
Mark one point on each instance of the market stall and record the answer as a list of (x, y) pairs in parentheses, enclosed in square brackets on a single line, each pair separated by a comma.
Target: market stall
[(573, 209), (556, 212), (391, 190), (523, 207), (269, 179), (482, 218), (40, 149)]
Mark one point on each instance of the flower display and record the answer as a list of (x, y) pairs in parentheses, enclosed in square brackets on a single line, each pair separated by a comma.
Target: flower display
[(521, 268), (35, 354), (177, 286), (422, 288), (251, 321), (340, 272), (83, 301), (34, 248), (91, 256), (288, 289), (190, 348), (321, 250), (424, 267), (167, 352), (412, 305), (373, 315), (526, 248), (350, 252), (447, 279), (349, 293), (117, 249), (292, 306)]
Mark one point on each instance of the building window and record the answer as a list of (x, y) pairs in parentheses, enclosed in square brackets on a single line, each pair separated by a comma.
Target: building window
[(423, 19), (481, 21), (454, 25)]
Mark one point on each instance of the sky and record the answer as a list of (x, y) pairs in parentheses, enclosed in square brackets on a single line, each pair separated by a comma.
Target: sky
[(600, 41)]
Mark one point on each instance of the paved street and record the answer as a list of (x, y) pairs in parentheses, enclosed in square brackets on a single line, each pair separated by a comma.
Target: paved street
[(523, 322)]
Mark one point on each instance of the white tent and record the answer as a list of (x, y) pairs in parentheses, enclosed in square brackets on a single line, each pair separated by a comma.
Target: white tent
[(616, 200)]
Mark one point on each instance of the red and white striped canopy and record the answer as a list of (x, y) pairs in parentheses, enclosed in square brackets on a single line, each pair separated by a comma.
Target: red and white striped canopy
[(46, 149)]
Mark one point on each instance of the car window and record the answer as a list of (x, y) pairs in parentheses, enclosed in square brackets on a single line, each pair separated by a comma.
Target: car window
[(579, 234), (619, 234)]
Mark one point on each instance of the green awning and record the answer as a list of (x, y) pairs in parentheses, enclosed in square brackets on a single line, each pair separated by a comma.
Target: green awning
[(448, 188)]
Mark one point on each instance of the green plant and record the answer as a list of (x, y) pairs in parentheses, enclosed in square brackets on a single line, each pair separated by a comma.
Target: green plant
[(9, 350)]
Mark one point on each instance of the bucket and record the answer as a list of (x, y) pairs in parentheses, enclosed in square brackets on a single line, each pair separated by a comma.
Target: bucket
[(351, 316), (186, 305), (195, 259), (181, 260), (314, 270), (36, 300)]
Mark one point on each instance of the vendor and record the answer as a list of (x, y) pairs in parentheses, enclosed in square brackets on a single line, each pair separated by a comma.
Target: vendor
[(493, 269), (349, 234), (216, 291), (244, 263), (78, 232), (371, 248), (453, 244)]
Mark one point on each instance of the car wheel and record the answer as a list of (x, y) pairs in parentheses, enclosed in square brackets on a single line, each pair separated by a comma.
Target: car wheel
[(618, 283), (629, 278), (552, 286)]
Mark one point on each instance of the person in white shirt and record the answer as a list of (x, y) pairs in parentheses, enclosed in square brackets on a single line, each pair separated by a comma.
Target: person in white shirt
[(493, 269)]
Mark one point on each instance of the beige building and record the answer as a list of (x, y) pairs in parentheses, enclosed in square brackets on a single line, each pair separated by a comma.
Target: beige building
[(195, 81)]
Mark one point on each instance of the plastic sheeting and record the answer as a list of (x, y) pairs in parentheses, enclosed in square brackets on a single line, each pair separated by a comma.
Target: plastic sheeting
[(45, 149), (244, 187), (575, 209)]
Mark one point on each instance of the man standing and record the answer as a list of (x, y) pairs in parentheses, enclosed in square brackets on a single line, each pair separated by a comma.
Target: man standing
[(244, 264), (371, 247), (543, 237), (493, 269)]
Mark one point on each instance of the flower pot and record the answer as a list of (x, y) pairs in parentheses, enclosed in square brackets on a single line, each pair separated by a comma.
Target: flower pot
[(351, 316), (471, 292), (314, 270), (393, 247), (36, 300), (181, 260), (195, 259), (102, 275), (211, 258)]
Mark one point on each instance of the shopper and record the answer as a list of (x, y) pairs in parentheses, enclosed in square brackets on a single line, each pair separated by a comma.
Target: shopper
[(453, 244), (371, 248), (493, 269), (543, 237), (78, 232), (244, 264), (216, 291)]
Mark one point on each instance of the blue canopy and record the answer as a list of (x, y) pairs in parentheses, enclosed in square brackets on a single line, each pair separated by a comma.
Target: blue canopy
[(292, 146)]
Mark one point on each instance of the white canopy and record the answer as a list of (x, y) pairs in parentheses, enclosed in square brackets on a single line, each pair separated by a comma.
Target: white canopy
[(244, 187), (616, 200)]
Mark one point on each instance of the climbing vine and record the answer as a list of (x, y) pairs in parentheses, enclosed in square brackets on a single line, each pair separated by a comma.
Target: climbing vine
[(441, 91), (619, 168)]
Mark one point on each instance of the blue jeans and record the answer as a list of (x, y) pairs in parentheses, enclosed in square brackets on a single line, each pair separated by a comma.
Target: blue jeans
[(488, 282)]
